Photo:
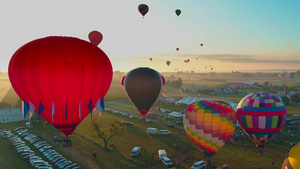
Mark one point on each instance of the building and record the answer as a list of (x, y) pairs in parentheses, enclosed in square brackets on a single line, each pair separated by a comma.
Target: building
[(253, 84), (11, 115)]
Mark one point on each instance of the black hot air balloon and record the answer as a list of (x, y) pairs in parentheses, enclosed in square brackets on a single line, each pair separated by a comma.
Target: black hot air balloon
[(143, 86)]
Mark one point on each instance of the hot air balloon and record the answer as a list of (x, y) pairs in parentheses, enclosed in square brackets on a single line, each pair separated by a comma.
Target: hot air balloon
[(293, 159), (62, 79), (177, 49), (209, 124), (201, 44), (95, 37), (168, 63), (143, 86), (261, 116), (150, 59), (143, 9), (178, 12)]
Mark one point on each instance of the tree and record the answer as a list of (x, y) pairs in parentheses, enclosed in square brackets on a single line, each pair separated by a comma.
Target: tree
[(266, 83), (285, 100), (116, 128), (295, 98), (292, 75)]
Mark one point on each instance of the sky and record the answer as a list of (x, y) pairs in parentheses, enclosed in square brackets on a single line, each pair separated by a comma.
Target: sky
[(237, 35)]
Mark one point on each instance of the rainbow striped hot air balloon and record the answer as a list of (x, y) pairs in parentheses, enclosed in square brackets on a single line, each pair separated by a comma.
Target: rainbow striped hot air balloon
[(209, 124), (261, 116)]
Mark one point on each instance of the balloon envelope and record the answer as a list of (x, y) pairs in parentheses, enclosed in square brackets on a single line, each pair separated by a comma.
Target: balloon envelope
[(209, 124), (168, 63), (177, 49), (143, 9), (261, 116), (178, 12), (61, 78), (95, 37), (293, 160), (143, 86)]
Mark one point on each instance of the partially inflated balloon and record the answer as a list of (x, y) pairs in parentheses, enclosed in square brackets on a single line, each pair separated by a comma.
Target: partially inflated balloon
[(143, 9), (261, 116), (209, 124), (62, 79), (293, 160), (143, 86), (95, 37), (178, 12)]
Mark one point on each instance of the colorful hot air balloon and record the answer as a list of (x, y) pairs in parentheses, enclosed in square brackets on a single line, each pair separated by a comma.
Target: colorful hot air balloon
[(143, 86), (95, 37), (209, 124), (178, 12), (143, 9), (261, 116), (293, 160), (62, 79), (168, 63)]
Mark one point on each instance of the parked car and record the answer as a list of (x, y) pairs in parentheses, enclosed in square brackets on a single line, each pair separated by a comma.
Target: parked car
[(135, 151), (225, 166), (170, 125), (199, 165), (164, 132), (166, 161)]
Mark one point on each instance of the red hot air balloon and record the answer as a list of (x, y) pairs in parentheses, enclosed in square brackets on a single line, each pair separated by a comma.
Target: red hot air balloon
[(95, 37), (143, 86), (61, 78), (177, 49), (168, 63), (150, 59), (143, 9)]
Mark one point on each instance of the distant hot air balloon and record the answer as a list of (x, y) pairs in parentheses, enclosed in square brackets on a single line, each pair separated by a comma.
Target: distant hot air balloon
[(150, 59), (143, 9), (209, 124), (293, 159), (95, 37), (177, 49), (201, 44), (62, 79), (143, 86), (261, 116), (178, 12), (168, 63)]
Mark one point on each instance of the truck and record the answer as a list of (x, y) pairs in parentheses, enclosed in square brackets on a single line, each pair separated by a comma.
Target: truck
[(152, 130), (162, 153)]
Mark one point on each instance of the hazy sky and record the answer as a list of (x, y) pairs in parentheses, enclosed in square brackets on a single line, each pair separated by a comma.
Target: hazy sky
[(236, 34)]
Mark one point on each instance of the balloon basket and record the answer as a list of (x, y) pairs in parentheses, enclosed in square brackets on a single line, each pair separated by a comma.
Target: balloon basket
[(67, 142)]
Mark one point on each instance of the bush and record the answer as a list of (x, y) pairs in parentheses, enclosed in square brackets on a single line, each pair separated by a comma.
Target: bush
[(285, 100)]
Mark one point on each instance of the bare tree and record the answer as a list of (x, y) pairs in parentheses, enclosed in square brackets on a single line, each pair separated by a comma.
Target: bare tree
[(116, 128)]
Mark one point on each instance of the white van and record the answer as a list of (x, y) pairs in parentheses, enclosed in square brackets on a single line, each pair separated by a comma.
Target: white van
[(152, 130), (135, 151), (164, 132), (161, 154), (166, 161), (199, 165)]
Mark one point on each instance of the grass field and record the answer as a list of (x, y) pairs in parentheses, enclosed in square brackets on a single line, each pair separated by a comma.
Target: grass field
[(118, 156)]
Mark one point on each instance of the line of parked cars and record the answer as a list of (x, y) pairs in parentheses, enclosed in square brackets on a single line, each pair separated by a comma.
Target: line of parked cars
[(25, 152), (47, 150)]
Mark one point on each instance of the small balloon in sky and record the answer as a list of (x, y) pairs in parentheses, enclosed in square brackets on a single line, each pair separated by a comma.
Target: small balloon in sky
[(201, 44), (95, 37), (168, 63), (177, 49), (150, 59), (143, 9), (178, 12)]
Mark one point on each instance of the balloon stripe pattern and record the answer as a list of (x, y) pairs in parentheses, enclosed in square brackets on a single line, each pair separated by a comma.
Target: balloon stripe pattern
[(143, 8), (261, 116), (209, 124)]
